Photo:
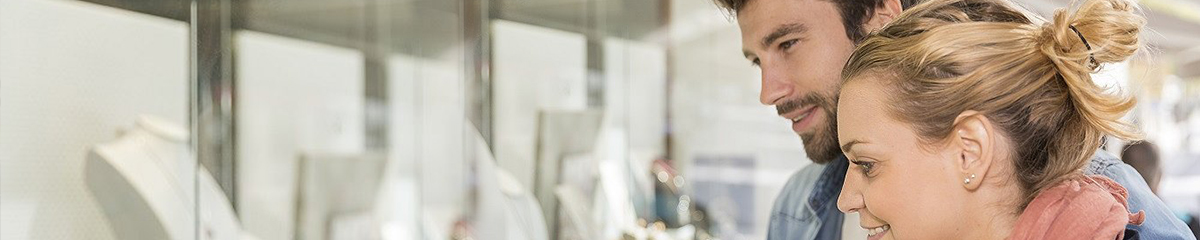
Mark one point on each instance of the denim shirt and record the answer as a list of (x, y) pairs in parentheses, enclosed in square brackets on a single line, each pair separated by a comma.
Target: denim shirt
[(806, 208)]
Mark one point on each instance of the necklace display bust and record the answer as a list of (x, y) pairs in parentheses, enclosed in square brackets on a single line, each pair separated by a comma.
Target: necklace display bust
[(146, 181)]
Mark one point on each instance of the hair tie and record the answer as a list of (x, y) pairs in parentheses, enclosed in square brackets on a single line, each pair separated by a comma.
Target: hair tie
[(1085, 44)]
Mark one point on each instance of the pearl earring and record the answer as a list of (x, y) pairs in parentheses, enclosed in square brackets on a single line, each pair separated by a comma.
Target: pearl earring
[(968, 180)]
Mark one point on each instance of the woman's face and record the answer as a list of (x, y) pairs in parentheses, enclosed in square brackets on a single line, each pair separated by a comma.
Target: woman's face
[(902, 188)]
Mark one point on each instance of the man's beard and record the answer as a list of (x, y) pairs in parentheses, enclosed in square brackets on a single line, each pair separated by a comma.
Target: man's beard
[(821, 143)]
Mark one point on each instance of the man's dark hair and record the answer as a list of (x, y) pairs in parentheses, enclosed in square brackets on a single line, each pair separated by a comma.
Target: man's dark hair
[(853, 12), (1143, 157)]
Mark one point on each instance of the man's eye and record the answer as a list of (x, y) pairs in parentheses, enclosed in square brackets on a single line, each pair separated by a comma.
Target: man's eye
[(754, 62), (785, 45)]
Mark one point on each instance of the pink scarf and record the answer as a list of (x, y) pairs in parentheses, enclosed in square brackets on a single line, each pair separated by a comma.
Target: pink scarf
[(1087, 207)]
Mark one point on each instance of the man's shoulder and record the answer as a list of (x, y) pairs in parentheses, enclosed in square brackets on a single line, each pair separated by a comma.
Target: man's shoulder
[(1101, 162), (1160, 222)]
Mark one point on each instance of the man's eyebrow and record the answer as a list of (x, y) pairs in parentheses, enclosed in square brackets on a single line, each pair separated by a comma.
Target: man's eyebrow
[(846, 147), (783, 30)]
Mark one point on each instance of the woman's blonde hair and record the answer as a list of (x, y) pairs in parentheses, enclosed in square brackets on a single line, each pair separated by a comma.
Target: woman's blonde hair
[(944, 57)]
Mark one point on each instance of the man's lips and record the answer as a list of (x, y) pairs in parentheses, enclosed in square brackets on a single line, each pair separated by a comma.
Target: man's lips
[(799, 114)]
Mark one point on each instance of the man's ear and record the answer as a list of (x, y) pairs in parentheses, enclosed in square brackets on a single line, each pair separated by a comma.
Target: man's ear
[(975, 141), (884, 14)]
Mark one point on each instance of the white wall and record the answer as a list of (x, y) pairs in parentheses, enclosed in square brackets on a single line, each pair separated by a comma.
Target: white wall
[(71, 75), (294, 98), (534, 69)]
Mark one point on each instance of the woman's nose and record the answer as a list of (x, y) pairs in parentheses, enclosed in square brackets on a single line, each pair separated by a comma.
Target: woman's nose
[(850, 199)]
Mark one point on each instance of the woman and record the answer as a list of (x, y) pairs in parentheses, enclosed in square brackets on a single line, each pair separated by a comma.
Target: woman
[(965, 120)]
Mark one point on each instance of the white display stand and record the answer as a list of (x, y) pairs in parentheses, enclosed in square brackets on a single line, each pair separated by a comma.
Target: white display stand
[(146, 183)]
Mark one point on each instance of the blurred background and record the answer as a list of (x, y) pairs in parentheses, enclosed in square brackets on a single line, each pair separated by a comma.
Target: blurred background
[(433, 119)]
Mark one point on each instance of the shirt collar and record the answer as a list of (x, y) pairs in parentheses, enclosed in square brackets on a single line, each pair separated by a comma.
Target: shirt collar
[(829, 185)]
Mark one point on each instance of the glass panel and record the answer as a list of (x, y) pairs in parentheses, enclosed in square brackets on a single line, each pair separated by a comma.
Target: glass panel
[(350, 118), (432, 138), (344, 112)]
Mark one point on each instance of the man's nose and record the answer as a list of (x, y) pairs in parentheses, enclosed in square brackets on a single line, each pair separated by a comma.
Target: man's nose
[(850, 199), (775, 85)]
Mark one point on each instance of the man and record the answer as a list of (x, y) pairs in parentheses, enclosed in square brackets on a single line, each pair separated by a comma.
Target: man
[(801, 46)]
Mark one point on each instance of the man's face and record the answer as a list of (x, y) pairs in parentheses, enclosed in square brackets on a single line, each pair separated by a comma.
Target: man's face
[(801, 46)]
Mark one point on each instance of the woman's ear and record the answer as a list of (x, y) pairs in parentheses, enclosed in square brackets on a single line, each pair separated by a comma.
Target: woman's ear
[(975, 140), (883, 14)]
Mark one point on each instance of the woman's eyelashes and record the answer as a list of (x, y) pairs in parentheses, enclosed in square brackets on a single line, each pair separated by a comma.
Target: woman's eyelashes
[(867, 167)]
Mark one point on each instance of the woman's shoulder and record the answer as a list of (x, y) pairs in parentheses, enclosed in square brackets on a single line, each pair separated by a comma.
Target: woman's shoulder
[(1080, 207)]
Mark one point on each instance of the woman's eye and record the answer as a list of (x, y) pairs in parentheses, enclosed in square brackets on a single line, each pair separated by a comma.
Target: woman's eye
[(865, 166), (787, 44)]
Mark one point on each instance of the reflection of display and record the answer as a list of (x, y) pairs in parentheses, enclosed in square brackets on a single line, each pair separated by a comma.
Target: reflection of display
[(145, 182)]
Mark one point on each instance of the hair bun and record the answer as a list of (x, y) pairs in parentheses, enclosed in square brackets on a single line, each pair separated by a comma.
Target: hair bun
[(1108, 27)]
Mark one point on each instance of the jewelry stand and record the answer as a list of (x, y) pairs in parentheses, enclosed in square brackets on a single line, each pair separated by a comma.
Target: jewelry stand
[(145, 181)]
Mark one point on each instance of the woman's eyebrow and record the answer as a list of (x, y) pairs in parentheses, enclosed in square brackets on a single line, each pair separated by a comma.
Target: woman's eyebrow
[(846, 147)]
